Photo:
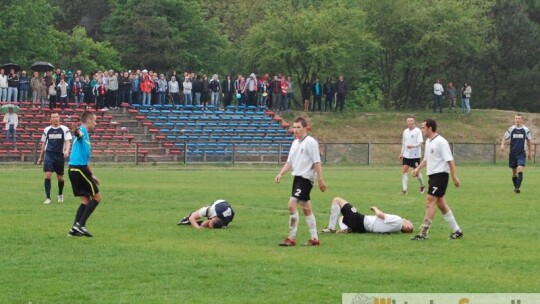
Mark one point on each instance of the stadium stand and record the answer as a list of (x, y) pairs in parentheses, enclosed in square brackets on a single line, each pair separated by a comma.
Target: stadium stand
[(162, 134), (245, 134), (111, 141)]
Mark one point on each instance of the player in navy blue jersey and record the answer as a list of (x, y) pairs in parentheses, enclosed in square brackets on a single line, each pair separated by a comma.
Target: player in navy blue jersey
[(519, 137), (55, 146), (83, 181), (218, 215)]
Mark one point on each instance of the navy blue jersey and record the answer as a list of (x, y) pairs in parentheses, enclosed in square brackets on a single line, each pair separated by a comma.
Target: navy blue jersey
[(54, 138), (518, 138), (224, 211)]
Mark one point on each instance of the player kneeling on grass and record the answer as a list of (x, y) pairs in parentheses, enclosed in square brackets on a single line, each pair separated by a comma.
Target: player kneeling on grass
[(219, 215), (355, 222)]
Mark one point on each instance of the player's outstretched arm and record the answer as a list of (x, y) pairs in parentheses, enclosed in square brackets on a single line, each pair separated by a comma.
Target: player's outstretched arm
[(75, 130), (320, 180), (286, 167), (417, 169), (453, 173), (378, 212), (193, 219), (529, 146)]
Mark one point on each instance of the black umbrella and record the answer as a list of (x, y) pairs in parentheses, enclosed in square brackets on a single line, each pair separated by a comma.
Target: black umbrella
[(8, 66), (42, 66)]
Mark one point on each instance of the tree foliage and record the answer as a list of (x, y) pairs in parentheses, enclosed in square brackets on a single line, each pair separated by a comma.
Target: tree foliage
[(395, 47), (26, 32), (311, 43), (163, 35), (420, 40)]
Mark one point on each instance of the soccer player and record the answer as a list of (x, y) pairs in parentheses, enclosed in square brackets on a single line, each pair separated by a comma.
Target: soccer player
[(519, 135), (218, 215), (411, 152), (354, 222), (439, 162), (55, 146), (305, 161), (83, 181)]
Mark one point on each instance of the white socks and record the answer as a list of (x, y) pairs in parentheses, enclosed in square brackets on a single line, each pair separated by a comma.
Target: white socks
[(449, 218), (334, 216), (312, 226), (420, 179), (404, 180), (293, 225)]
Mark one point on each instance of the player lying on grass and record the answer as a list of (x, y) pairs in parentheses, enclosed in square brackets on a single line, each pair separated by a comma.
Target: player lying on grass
[(355, 222), (219, 215)]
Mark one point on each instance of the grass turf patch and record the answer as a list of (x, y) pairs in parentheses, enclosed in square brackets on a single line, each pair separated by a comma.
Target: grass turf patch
[(139, 255)]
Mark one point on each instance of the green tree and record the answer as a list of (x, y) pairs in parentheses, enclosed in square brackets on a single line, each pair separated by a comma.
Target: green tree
[(309, 43), (81, 52), (88, 14), (164, 35), (26, 32), (420, 40), (513, 66), (236, 17)]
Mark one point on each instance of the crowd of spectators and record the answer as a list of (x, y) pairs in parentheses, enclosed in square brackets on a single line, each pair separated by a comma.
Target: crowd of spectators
[(109, 89)]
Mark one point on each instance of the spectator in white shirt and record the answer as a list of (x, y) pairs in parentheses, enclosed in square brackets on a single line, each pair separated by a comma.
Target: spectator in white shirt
[(437, 96)]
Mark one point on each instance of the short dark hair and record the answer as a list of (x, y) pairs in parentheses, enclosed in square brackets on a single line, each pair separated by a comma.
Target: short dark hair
[(217, 223), (301, 120), (86, 116), (430, 123)]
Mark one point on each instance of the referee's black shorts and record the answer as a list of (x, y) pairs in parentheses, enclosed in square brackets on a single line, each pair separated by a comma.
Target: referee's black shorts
[(82, 182)]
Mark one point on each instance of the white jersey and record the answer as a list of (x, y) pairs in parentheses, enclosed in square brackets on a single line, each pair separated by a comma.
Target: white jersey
[(391, 223), (412, 138), (302, 156), (437, 155), (209, 211)]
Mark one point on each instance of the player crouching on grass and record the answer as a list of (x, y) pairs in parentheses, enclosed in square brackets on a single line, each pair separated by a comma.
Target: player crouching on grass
[(219, 215), (354, 222)]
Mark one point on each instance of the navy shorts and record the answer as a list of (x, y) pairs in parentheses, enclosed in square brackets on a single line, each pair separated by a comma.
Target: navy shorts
[(516, 160), (54, 163), (301, 188), (82, 182), (438, 183), (411, 162)]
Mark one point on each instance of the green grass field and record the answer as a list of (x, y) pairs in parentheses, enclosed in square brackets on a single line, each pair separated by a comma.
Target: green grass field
[(139, 255)]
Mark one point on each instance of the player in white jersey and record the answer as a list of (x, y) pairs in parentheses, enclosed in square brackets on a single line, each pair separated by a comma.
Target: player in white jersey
[(353, 221), (440, 163), (305, 161), (218, 215), (411, 152)]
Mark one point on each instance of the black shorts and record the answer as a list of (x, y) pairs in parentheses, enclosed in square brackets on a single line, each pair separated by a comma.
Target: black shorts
[(301, 188), (516, 160), (54, 162), (438, 183), (411, 162), (82, 182), (353, 219)]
